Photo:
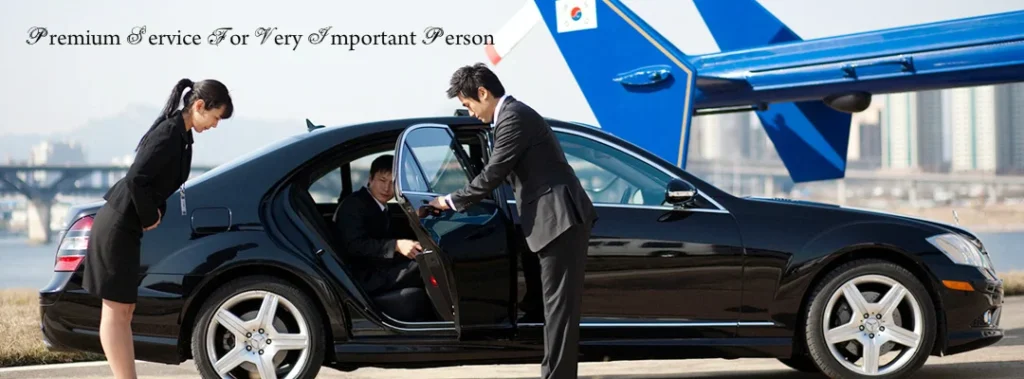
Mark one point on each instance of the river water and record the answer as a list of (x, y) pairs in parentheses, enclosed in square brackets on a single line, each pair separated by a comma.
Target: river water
[(23, 265)]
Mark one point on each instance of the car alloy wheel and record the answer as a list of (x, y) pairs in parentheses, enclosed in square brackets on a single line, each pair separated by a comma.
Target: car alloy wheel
[(870, 318), (258, 328)]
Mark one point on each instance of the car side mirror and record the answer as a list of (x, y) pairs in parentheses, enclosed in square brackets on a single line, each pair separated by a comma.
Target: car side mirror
[(679, 192)]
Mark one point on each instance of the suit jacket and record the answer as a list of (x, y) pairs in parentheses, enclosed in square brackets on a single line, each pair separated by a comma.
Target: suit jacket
[(549, 196), (162, 164), (366, 237)]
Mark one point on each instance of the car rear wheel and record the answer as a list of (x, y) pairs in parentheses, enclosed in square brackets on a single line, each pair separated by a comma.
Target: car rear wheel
[(870, 319), (259, 327)]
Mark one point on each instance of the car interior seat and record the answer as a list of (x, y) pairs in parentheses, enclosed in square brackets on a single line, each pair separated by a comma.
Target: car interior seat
[(405, 304)]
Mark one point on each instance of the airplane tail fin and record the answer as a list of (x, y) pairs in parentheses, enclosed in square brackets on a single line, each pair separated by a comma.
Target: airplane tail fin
[(810, 137), (639, 86), (760, 27)]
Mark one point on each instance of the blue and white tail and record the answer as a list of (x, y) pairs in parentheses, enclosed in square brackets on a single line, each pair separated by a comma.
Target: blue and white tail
[(642, 88)]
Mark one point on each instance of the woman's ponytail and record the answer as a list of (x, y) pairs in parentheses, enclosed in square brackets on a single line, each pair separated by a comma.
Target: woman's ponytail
[(169, 107)]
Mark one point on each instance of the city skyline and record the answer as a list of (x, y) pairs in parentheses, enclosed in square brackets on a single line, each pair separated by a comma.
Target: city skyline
[(969, 130)]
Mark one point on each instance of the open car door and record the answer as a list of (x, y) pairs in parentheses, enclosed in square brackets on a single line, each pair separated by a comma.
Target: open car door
[(466, 263)]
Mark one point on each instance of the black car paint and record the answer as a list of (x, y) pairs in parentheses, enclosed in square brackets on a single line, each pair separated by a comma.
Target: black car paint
[(750, 269)]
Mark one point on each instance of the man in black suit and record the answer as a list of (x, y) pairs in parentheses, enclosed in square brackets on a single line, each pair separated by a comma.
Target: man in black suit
[(555, 212), (380, 262)]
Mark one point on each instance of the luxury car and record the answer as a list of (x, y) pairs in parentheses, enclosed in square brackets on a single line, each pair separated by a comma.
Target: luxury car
[(250, 278)]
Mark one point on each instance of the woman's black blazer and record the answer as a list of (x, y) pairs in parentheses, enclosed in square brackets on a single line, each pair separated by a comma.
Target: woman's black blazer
[(162, 164)]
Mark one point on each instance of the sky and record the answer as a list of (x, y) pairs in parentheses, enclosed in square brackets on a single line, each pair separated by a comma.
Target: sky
[(58, 88)]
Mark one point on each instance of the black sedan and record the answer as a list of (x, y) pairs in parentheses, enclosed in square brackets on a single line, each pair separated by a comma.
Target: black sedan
[(251, 279)]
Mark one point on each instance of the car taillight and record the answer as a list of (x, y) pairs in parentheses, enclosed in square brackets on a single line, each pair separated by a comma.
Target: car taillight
[(73, 245)]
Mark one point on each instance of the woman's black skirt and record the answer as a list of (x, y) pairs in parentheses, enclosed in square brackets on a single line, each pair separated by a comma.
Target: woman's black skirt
[(112, 260)]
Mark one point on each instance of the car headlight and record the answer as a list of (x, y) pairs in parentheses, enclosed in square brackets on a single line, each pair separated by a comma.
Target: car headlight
[(959, 249)]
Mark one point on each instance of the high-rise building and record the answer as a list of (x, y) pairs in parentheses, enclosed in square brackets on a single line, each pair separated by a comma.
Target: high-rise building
[(1010, 128), (930, 116), (721, 137), (870, 144), (56, 153), (912, 131), (974, 129), (51, 153), (865, 145), (759, 145), (898, 126)]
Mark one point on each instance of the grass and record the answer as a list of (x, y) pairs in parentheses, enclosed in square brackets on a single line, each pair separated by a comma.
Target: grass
[(19, 324), (23, 342), (1013, 283)]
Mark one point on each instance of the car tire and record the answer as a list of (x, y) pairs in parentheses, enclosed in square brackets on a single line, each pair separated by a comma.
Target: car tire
[(887, 326), (256, 350), (802, 363)]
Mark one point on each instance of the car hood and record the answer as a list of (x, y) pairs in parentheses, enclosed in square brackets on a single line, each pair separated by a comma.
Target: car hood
[(941, 226)]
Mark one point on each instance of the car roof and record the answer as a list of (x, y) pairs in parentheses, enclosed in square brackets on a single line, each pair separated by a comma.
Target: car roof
[(283, 152), (455, 122)]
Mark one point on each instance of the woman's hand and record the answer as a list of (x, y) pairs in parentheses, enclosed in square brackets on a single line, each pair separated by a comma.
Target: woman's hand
[(159, 215)]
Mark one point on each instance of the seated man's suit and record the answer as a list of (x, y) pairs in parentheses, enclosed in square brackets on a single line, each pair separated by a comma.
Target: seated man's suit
[(364, 226)]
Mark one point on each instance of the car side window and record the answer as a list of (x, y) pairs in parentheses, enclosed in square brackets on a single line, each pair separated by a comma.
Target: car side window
[(431, 164), (360, 170), (611, 176), (326, 188)]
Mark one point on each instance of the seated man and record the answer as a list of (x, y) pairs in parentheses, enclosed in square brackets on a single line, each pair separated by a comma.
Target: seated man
[(379, 262)]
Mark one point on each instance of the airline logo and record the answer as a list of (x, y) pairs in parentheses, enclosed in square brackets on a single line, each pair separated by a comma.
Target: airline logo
[(575, 15)]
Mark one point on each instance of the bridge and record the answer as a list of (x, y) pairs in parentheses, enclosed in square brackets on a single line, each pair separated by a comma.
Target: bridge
[(40, 185)]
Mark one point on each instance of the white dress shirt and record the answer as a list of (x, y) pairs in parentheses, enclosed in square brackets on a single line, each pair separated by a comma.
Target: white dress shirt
[(497, 110), (382, 206)]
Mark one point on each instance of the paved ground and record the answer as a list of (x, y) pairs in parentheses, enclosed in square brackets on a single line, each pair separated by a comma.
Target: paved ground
[(1003, 360)]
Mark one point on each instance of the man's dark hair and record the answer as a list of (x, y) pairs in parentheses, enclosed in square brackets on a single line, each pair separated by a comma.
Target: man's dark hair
[(381, 164), (467, 79)]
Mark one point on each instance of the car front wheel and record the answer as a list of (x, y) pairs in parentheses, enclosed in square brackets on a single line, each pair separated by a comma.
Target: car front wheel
[(258, 327), (870, 319)]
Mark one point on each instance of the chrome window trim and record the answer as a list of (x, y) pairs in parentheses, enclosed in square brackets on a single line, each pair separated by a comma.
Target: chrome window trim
[(600, 140), (651, 207), (412, 326), (695, 324), (418, 193)]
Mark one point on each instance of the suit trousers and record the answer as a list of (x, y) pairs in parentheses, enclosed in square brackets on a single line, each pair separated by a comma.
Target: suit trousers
[(562, 266), (401, 273)]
